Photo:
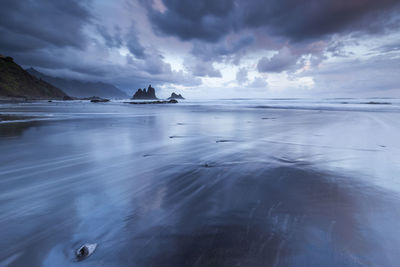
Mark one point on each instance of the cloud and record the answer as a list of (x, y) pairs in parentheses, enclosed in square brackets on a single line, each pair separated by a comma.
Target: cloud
[(392, 47), (258, 82), (281, 61), (133, 43), (296, 20), (242, 76), (57, 23), (201, 68), (154, 64), (222, 50), (117, 39), (311, 19), (377, 75), (111, 40), (188, 20), (178, 42)]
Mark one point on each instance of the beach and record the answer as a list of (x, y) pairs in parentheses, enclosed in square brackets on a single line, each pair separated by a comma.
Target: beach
[(273, 182)]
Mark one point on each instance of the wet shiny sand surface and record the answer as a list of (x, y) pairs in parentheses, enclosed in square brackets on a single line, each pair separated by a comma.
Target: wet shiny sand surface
[(200, 184)]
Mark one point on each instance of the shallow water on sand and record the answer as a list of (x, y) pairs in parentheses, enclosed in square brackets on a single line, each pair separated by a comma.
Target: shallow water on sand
[(223, 183)]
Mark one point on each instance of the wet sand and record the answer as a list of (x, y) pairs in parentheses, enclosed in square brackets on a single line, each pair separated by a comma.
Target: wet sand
[(223, 183)]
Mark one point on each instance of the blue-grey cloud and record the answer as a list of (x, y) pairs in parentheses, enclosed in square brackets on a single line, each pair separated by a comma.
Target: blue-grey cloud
[(242, 76), (201, 68), (85, 38), (297, 20), (111, 39), (203, 20), (45, 22), (222, 50), (281, 61), (133, 43), (258, 82)]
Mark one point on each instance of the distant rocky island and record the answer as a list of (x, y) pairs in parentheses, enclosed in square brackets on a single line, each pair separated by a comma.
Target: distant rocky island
[(176, 96), (15, 82), (150, 94), (143, 94)]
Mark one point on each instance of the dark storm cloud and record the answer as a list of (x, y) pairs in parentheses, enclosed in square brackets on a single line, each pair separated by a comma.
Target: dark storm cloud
[(221, 50), (136, 75), (91, 39), (42, 23), (235, 46), (15, 42), (115, 38), (111, 39), (204, 20), (297, 20), (133, 43), (308, 19)]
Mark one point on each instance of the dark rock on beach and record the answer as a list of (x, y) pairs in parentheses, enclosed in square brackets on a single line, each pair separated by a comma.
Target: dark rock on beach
[(95, 99), (99, 100), (143, 94), (176, 96), (66, 98), (172, 101)]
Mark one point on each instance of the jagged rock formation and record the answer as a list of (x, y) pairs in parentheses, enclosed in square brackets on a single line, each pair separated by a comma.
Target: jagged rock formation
[(176, 96), (80, 89), (15, 82), (143, 94)]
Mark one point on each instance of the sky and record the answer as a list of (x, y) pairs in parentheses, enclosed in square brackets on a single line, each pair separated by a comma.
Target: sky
[(212, 48)]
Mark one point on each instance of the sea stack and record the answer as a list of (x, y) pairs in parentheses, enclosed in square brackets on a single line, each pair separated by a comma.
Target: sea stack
[(143, 94), (176, 96)]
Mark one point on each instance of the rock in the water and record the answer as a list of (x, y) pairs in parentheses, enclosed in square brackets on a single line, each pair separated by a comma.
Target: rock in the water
[(102, 100), (176, 96), (67, 98), (172, 101), (85, 251), (143, 94), (96, 99), (99, 100)]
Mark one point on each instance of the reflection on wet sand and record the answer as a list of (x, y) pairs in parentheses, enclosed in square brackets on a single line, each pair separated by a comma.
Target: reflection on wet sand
[(13, 129), (239, 217), (220, 192)]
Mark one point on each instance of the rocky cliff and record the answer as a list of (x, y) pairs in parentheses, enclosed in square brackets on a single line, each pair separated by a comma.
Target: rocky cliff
[(16, 82), (77, 88)]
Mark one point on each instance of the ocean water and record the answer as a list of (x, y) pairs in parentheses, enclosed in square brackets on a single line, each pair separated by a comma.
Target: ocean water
[(267, 182)]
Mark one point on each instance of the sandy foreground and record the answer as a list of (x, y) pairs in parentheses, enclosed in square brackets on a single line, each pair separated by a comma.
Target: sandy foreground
[(217, 183)]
